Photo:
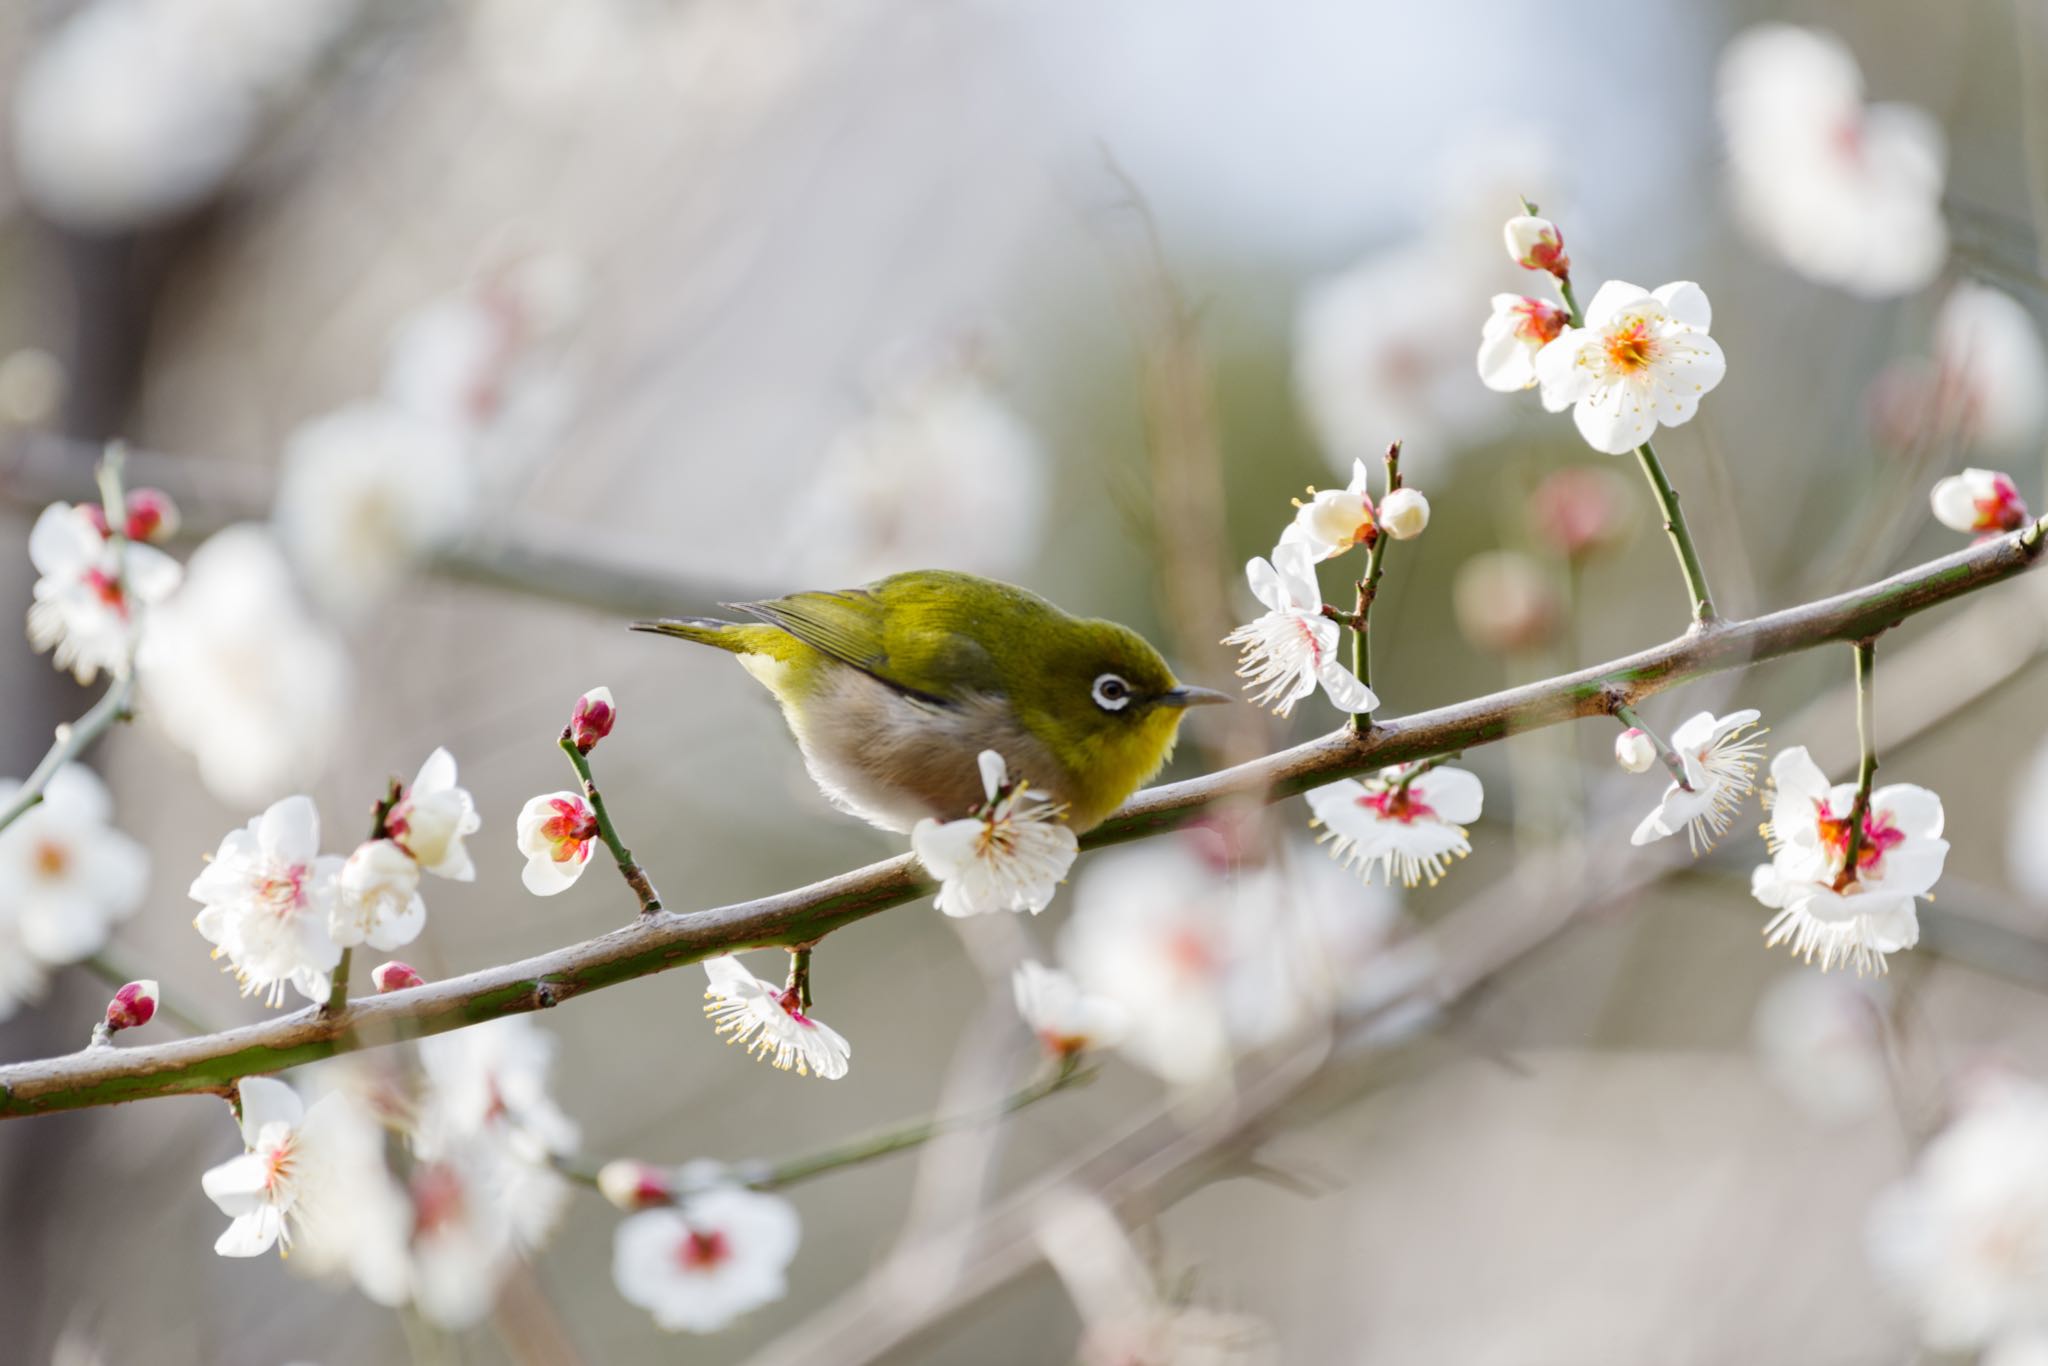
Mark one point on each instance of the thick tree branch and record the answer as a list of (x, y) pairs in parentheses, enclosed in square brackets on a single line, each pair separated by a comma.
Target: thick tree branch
[(666, 940)]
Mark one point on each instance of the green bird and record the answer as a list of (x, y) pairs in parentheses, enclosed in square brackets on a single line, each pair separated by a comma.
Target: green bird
[(893, 690)]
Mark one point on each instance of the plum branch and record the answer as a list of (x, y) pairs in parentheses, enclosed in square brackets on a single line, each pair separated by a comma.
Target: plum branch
[(656, 942)]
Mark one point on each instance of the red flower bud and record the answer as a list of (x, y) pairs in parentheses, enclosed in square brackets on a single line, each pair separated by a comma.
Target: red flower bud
[(635, 1185), (133, 1005), (594, 718), (152, 516)]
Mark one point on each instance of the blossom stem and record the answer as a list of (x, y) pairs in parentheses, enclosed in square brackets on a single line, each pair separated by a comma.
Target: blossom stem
[(1666, 755), (1571, 301), (1866, 738), (636, 877), (337, 993), (657, 943), (1368, 589), (800, 975), (1680, 533)]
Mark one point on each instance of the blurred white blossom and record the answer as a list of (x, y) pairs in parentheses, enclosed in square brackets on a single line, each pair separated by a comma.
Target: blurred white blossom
[(2026, 841), (1720, 756), (1846, 917), (1820, 1038), (940, 470), (363, 494), (1066, 1019), (1964, 1238), (267, 899), (280, 1182), (1845, 193), (90, 599), (1642, 360), (1992, 369), (1400, 824), (133, 111), (238, 674), (771, 1022), (698, 1266), (67, 877), (1010, 855)]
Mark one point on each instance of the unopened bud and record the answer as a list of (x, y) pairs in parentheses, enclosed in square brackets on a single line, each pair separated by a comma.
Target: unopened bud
[(1404, 513), (1504, 602), (1536, 244), (1983, 501), (152, 516), (1581, 511), (1635, 751), (593, 720), (395, 976), (133, 1005), (633, 1185)]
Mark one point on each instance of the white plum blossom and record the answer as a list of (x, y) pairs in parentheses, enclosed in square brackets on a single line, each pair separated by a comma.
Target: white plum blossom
[(67, 876), (1820, 1038), (1845, 193), (1984, 501), (1964, 1238), (1643, 359), (939, 470), (268, 897), (700, 1265), (493, 1079), (1720, 758), (1404, 823), (1066, 1019), (239, 676), (1334, 520), (433, 816), (278, 1184), (1846, 917), (771, 1022), (1518, 328), (1010, 855), (90, 598), (556, 831), (1292, 649), (378, 898), (365, 492)]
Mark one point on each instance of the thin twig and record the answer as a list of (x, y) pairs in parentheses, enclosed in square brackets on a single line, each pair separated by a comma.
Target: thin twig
[(654, 943), (636, 876), (1866, 737), (1668, 756)]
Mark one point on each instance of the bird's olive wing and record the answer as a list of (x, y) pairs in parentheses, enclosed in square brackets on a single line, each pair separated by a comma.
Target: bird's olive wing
[(916, 652)]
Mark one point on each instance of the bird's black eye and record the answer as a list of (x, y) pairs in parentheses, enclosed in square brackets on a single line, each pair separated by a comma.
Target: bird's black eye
[(1111, 693)]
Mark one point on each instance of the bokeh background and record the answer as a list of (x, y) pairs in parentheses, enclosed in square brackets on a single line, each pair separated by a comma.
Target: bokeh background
[(734, 297)]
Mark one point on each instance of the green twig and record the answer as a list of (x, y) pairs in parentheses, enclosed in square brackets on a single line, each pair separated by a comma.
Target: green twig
[(1680, 533), (1866, 736), (636, 877)]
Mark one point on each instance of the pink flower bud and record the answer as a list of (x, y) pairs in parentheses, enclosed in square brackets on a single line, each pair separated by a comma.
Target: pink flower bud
[(635, 1185), (1581, 511), (1634, 751), (1536, 244), (133, 1005), (152, 516), (1504, 602), (1404, 513), (395, 976), (594, 718)]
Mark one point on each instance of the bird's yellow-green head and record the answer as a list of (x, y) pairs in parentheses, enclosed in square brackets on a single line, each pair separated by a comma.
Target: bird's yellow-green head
[(1085, 709)]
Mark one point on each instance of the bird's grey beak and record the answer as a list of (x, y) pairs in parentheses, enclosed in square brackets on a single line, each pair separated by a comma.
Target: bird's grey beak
[(1185, 696)]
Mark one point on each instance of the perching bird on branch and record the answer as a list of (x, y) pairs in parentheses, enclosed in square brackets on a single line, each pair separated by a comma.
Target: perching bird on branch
[(892, 690)]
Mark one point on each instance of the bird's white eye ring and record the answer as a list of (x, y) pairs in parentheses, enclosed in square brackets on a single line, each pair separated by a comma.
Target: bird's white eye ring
[(1111, 693)]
